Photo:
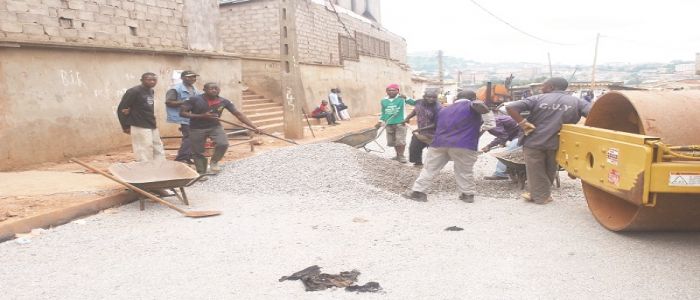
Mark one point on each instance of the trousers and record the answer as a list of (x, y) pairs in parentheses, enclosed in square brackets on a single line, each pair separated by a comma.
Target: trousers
[(146, 144), (541, 167), (198, 138), (415, 150), (185, 151), (437, 158)]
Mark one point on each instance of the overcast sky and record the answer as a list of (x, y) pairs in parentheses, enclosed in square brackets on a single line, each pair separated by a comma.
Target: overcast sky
[(631, 31)]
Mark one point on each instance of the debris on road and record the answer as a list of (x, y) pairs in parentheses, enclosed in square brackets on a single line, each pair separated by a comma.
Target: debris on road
[(454, 228), (314, 280)]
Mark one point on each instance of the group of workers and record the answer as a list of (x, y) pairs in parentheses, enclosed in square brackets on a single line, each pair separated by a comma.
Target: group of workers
[(452, 133), (197, 114), (449, 133)]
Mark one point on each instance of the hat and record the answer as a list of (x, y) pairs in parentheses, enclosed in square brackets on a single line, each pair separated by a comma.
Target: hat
[(392, 86), (188, 74)]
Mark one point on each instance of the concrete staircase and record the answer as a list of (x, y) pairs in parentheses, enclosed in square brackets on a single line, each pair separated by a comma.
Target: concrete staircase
[(264, 113)]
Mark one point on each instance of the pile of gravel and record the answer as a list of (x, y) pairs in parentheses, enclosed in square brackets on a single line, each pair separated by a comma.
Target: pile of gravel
[(319, 168)]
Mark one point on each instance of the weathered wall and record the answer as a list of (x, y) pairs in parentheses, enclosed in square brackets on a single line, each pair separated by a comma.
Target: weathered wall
[(362, 83), (251, 28), (263, 77), (153, 24), (58, 103), (318, 29)]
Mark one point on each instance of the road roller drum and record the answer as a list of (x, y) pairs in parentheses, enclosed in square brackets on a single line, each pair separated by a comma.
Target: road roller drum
[(638, 159)]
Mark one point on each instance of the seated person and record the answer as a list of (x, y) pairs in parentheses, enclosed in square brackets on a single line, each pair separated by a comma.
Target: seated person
[(324, 111)]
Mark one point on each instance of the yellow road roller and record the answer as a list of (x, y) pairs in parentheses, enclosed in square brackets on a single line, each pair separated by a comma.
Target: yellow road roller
[(638, 157)]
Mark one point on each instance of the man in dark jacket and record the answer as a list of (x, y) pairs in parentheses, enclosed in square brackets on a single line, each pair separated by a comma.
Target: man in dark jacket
[(137, 118)]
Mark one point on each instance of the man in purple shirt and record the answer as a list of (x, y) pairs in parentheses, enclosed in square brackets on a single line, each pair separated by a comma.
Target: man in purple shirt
[(456, 138), (506, 131), (425, 111)]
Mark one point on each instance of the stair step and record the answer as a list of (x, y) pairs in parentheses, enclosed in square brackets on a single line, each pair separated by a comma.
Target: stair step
[(252, 97), (262, 116), (257, 101), (247, 111), (249, 107), (268, 121)]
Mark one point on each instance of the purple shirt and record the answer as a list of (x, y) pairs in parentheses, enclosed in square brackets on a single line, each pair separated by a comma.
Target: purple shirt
[(457, 126), (506, 130), (426, 115)]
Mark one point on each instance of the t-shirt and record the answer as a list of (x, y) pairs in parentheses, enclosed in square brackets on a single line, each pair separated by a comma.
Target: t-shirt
[(548, 112), (201, 105), (139, 101), (457, 126), (426, 114), (394, 107)]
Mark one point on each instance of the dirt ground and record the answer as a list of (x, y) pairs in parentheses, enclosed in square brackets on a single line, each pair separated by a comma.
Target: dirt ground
[(38, 189)]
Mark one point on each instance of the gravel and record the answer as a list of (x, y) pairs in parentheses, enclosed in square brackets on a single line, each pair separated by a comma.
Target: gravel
[(338, 207)]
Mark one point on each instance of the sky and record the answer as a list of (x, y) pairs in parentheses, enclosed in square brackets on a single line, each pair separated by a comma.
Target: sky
[(630, 31)]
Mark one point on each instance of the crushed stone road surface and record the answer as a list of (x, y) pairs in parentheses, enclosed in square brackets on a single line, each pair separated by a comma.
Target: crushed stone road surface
[(337, 207)]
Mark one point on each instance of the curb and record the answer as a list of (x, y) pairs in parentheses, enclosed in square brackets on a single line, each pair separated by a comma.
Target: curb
[(65, 215)]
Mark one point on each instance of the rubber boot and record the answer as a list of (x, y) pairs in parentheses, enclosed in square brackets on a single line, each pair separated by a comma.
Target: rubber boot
[(200, 164)]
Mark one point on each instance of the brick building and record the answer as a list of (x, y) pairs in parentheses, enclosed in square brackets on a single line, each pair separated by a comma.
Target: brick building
[(64, 65), (337, 48)]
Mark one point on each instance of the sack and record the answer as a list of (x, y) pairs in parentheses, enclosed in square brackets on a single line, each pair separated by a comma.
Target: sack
[(425, 138)]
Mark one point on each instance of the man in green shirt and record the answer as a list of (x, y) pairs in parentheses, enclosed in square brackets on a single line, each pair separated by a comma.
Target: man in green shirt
[(393, 116)]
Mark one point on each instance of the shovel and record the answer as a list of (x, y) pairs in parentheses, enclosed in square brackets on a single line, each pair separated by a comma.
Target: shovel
[(191, 214), (267, 134)]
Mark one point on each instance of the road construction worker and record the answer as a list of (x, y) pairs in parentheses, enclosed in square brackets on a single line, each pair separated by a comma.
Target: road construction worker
[(204, 112), (548, 112), (392, 114), (456, 139), (174, 98)]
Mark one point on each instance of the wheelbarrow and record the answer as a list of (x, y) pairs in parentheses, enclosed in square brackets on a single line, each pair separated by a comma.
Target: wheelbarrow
[(157, 175), (361, 138), (515, 166)]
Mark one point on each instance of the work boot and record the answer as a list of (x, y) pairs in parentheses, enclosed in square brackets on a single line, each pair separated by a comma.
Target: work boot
[(214, 167), (468, 198), (415, 196), (200, 164), (401, 159), (526, 197), (495, 178)]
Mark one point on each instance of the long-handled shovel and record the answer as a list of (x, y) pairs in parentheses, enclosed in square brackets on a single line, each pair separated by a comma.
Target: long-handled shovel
[(267, 134), (191, 214)]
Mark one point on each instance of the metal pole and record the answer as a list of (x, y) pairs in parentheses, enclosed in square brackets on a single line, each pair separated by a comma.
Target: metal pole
[(595, 59), (292, 87), (440, 71), (549, 57)]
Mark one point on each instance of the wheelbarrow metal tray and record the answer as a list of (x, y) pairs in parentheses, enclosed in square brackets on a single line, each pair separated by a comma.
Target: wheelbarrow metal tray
[(358, 138), (155, 174), (513, 158)]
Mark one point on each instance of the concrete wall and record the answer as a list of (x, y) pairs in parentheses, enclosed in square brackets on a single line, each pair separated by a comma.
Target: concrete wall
[(362, 83), (153, 24), (251, 28), (318, 29), (58, 103), (263, 77)]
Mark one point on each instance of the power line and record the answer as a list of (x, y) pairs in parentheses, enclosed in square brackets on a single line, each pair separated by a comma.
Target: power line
[(516, 28)]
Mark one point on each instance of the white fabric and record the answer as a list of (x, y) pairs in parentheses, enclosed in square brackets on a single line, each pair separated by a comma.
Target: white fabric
[(489, 121), (146, 144)]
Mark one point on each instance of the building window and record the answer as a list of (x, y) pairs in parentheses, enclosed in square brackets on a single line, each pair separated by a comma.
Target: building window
[(348, 48), (371, 46)]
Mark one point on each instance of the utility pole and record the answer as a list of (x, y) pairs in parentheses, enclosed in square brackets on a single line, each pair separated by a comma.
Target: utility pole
[(549, 57), (292, 88), (440, 70), (595, 60)]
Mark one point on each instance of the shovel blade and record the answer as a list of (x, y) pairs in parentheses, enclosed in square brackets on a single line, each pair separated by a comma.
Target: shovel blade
[(202, 214)]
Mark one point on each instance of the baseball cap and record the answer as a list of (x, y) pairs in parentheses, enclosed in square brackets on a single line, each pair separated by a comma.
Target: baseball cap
[(188, 74)]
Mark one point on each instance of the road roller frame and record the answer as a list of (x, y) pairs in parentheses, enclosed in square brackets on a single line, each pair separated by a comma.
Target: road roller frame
[(627, 165)]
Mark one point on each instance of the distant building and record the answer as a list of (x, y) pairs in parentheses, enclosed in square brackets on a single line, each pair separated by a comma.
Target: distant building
[(685, 69)]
